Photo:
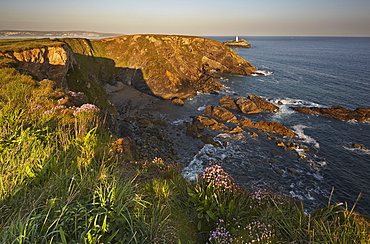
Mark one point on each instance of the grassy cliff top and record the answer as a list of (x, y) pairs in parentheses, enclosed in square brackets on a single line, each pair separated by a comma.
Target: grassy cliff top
[(25, 44)]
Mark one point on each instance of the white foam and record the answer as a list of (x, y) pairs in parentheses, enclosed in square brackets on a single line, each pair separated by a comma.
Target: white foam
[(178, 122), (204, 157), (201, 108), (299, 130), (297, 102), (262, 72), (199, 162), (357, 150), (284, 111)]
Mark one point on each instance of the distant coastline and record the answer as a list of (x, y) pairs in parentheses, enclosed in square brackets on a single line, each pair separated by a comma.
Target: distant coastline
[(27, 33)]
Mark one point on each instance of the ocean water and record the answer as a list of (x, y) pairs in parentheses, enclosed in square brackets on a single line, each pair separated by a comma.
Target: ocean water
[(302, 71)]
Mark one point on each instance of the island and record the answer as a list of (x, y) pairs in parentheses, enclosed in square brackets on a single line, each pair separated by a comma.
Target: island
[(238, 43)]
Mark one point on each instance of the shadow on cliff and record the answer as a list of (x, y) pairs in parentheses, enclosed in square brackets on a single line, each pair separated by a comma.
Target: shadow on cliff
[(89, 71)]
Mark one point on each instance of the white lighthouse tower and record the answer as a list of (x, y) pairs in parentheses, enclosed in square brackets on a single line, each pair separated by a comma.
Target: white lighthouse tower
[(236, 38)]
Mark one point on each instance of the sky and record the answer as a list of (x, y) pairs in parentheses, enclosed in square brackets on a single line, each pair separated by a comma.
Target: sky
[(191, 17)]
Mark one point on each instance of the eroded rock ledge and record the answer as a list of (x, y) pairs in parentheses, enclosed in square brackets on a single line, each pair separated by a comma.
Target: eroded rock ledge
[(337, 112), (222, 114)]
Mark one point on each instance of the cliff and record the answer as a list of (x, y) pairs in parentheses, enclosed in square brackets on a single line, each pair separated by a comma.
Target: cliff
[(43, 59)]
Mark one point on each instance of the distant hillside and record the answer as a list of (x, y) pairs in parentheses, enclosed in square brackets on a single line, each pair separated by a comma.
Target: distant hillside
[(17, 33)]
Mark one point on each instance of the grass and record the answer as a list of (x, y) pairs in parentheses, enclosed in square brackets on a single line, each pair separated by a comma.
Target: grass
[(25, 44), (65, 179)]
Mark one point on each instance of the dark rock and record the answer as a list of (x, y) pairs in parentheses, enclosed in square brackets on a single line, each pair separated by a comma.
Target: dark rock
[(337, 112), (279, 172), (209, 140), (143, 122), (292, 171)]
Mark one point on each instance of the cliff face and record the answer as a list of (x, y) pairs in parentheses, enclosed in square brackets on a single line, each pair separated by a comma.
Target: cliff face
[(171, 66), (51, 62)]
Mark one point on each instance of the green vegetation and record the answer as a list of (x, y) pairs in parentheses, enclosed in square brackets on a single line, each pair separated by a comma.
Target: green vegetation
[(25, 44), (65, 179)]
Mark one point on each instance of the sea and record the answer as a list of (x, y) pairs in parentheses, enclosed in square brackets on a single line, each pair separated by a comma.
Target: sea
[(299, 71)]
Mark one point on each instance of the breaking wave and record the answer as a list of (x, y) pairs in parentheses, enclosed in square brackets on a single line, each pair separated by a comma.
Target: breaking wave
[(262, 72), (299, 130)]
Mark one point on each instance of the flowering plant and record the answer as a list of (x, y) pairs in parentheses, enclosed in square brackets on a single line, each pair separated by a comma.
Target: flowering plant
[(216, 197), (216, 176), (86, 108), (236, 232)]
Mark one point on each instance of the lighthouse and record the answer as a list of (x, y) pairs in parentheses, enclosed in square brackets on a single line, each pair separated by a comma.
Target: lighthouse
[(236, 38)]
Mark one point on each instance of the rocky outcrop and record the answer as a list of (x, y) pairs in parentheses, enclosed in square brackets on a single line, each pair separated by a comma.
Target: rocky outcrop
[(228, 102), (219, 113), (172, 66), (249, 105), (267, 125), (201, 122), (263, 104), (337, 112), (47, 62), (240, 43)]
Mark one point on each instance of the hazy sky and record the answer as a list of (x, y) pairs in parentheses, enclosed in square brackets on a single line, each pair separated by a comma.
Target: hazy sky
[(192, 17)]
